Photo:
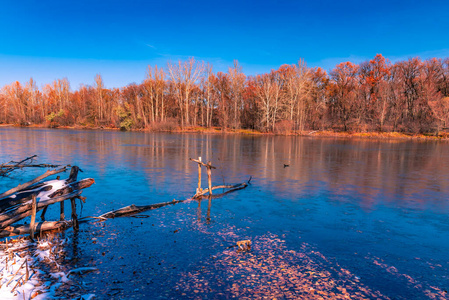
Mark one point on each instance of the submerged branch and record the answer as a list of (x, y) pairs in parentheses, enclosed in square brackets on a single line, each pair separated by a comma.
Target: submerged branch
[(135, 209)]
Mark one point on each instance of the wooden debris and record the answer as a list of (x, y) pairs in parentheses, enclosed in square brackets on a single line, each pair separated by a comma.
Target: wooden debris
[(134, 209), (230, 187), (74, 215), (200, 192), (7, 168), (33, 216), (30, 183), (244, 245), (27, 199)]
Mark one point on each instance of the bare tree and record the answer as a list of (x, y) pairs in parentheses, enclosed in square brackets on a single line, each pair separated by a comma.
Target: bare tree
[(267, 90), (207, 87), (99, 87), (184, 75), (237, 83)]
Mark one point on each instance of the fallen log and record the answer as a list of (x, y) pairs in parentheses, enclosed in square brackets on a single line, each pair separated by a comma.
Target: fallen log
[(30, 183), (134, 209), (51, 190), (39, 227), (8, 218), (18, 204)]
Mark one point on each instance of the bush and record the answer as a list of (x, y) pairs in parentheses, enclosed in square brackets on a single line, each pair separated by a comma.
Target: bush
[(55, 119), (169, 125), (124, 114), (283, 127)]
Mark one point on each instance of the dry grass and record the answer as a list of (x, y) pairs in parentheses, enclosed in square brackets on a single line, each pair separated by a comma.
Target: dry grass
[(169, 126)]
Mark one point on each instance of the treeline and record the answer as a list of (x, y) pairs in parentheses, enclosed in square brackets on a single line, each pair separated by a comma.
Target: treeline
[(376, 95)]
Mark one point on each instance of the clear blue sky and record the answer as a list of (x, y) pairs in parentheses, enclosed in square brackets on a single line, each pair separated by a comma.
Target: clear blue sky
[(48, 40)]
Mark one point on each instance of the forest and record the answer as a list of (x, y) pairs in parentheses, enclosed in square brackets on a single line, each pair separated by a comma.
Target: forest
[(410, 96)]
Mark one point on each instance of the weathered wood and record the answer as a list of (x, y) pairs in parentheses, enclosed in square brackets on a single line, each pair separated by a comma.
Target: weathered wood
[(43, 213), (61, 214), (12, 202), (25, 163), (74, 215), (73, 174), (231, 188), (12, 165), (23, 196), (209, 176), (10, 217), (134, 209), (33, 216), (202, 163), (31, 182), (40, 226), (19, 205), (199, 176), (29, 166)]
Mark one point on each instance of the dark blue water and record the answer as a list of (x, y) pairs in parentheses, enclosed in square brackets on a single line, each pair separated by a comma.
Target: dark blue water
[(362, 218)]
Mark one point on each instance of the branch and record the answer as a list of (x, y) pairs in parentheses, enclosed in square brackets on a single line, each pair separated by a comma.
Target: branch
[(203, 164), (10, 217), (232, 188), (26, 229), (134, 209), (29, 183)]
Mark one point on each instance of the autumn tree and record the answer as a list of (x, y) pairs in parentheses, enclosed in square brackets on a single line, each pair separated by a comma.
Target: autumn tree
[(222, 97), (318, 95), (99, 88), (237, 82), (343, 92), (16, 103), (184, 76), (268, 92), (296, 86), (375, 88), (207, 82)]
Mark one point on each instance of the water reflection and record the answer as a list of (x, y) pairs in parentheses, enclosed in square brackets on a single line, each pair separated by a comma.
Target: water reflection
[(403, 172), (209, 205), (366, 205)]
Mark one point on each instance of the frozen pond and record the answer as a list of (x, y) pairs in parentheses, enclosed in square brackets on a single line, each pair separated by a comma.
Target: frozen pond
[(358, 218)]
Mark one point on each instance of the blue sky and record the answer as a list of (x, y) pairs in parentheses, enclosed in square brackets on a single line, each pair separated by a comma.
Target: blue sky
[(48, 40)]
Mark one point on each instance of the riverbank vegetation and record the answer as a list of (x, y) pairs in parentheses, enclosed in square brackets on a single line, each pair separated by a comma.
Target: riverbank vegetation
[(375, 96)]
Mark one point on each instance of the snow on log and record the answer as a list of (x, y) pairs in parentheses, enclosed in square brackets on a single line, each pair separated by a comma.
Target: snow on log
[(18, 204)]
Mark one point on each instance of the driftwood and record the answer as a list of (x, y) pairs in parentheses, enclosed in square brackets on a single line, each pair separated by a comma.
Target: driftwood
[(134, 209), (231, 188), (27, 228), (46, 190), (19, 203), (7, 168), (30, 183), (19, 212), (27, 199), (200, 192)]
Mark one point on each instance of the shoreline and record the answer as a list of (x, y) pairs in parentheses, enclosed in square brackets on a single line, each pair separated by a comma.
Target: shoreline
[(444, 136)]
